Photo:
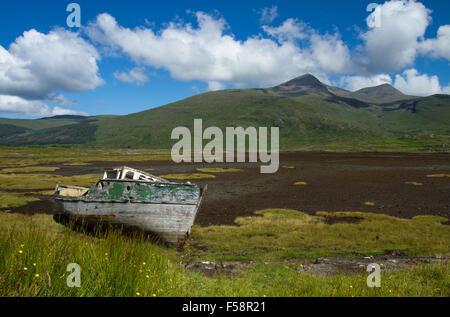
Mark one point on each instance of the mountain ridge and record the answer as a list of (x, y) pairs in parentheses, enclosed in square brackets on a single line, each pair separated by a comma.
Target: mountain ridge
[(381, 92), (310, 114), (307, 84)]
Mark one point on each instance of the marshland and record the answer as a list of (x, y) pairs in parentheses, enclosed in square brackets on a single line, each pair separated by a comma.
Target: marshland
[(310, 229)]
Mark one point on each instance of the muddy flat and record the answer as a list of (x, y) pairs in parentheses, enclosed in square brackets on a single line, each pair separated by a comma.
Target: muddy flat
[(366, 182), (334, 182), (321, 266)]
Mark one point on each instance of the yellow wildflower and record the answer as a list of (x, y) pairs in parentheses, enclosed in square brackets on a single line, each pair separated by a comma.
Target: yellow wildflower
[(36, 275), (25, 268), (138, 294)]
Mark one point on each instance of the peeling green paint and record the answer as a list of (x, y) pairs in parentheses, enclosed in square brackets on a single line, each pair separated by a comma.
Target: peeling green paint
[(116, 191), (107, 190)]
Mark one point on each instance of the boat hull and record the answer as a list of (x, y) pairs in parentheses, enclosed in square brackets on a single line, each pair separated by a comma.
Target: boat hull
[(171, 222), (165, 209)]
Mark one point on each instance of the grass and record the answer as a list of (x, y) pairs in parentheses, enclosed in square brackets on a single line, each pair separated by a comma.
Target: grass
[(438, 175), (30, 169), (279, 280), (45, 192), (219, 170), (22, 156), (9, 199), (187, 176), (44, 181), (287, 234), (112, 264), (414, 183), (35, 252)]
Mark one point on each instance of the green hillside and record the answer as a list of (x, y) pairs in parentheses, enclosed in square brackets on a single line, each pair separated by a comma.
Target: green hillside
[(302, 121), (58, 130), (310, 115)]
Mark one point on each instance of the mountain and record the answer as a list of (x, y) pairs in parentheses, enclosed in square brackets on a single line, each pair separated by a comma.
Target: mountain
[(383, 92), (66, 116), (310, 114), (303, 85), (62, 130), (308, 84)]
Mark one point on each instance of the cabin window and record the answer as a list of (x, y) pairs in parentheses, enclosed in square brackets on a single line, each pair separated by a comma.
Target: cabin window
[(129, 175), (111, 174)]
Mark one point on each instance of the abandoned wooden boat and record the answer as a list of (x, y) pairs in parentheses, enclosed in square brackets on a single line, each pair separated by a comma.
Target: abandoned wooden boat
[(135, 199)]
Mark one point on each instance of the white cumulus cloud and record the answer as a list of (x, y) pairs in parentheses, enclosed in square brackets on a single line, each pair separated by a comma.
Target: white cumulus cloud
[(268, 14), (215, 85), (61, 100), (412, 83), (135, 76), (209, 54), (356, 82), (330, 53), (37, 64), (290, 30), (440, 46), (394, 43), (14, 105)]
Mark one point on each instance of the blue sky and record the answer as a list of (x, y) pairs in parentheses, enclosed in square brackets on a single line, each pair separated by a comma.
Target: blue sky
[(129, 56)]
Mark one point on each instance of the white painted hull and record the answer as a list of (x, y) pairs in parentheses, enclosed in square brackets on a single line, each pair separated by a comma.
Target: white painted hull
[(172, 222)]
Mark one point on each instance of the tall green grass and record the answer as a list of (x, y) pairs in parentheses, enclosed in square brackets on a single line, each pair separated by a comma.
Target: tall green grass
[(31, 156), (288, 234), (35, 252), (9, 199)]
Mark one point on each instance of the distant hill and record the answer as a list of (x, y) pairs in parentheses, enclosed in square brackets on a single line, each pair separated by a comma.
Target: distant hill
[(56, 130), (66, 116), (303, 85), (383, 92), (310, 114)]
